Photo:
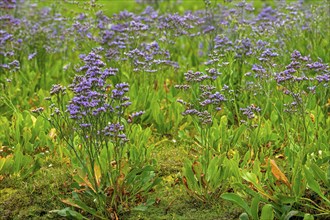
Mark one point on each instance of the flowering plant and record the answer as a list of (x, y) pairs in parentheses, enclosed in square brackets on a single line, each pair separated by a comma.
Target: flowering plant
[(204, 177), (93, 125)]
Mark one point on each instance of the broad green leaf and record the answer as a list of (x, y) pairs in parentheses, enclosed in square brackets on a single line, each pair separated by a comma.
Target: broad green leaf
[(251, 192), (319, 173), (67, 212), (237, 200), (285, 199), (232, 166), (18, 121), (313, 184), (290, 214), (255, 207), (238, 134), (2, 163), (297, 183), (308, 217), (244, 216), (18, 161), (213, 171), (190, 177), (274, 117), (76, 202), (251, 177), (145, 206), (246, 158), (267, 212)]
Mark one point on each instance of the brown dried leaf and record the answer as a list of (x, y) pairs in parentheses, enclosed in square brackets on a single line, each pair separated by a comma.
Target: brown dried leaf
[(278, 174), (69, 202), (184, 180)]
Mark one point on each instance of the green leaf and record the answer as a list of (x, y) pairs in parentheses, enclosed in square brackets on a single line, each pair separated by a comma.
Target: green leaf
[(3, 162), (297, 182), (237, 200), (145, 206), (18, 119), (285, 199), (255, 207), (308, 217), (238, 134), (141, 208), (267, 212), (213, 171), (67, 212), (251, 192), (319, 173), (251, 177), (190, 177), (244, 216), (76, 202), (313, 184), (274, 117), (290, 214), (18, 161)]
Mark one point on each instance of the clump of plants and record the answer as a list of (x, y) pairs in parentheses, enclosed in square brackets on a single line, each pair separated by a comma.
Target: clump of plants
[(91, 121)]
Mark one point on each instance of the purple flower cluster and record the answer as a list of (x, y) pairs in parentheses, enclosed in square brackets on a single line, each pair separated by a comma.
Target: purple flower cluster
[(90, 89), (191, 76), (250, 111), (115, 131), (8, 41), (209, 98), (302, 68), (8, 4), (148, 57), (176, 25), (96, 107), (30, 32), (260, 71), (300, 79), (205, 118), (57, 89), (207, 102)]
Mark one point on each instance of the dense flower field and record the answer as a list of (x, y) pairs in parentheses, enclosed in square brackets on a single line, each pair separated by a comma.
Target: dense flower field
[(169, 110)]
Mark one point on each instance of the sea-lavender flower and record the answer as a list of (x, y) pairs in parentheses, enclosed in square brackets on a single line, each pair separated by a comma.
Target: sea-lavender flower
[(213, 73), (323, 78), (208, 29), (56, 89), (8, 4), (113, 129), (191, 76), (267, 54), (295, 55), (32, 55), (317, 66), (38, 110), (183, 87), (137, 114), (250, 111), (119, 91), (259, 70)]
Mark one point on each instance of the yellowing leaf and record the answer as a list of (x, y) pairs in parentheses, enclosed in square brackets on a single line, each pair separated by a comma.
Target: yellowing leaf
[(34, 119), (82, 179), (278, 174), (312, 117), (98, 175), (71, 203), (52, 133)]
